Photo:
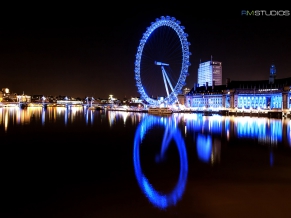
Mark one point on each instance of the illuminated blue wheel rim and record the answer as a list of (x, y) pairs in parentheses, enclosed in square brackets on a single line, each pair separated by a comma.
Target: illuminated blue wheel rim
[(160, 200), (164, 41)]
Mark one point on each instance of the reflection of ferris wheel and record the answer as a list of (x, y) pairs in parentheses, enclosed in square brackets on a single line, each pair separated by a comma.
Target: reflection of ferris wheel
[(162, 61), (171, 134)]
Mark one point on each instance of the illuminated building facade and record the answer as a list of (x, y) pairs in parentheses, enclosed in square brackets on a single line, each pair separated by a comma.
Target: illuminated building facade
[(272, 94), (210, 72), (23, 98), (4, 93)]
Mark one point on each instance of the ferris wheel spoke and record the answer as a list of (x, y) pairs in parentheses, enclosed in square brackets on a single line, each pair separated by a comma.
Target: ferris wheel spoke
[(165, 82), (169, 82)]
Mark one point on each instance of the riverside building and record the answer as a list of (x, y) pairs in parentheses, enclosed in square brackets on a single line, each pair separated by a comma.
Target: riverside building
[(209, 73), (271, 94)]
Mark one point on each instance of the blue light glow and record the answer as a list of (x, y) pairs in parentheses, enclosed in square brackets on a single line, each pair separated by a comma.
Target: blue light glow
[(91, 117), (159, 36), (66, 116), (265, 130), (158, 199), (204, 147), (43, 116), (197, 123), (253, 101)]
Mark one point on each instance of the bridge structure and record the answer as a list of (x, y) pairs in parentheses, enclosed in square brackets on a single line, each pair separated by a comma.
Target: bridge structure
[(43, 102), (63, 103)]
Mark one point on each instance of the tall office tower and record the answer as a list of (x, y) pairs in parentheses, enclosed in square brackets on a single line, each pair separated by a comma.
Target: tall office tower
[(208, 72)]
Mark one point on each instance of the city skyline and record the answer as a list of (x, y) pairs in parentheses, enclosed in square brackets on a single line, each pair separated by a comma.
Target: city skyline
[(84, 53)]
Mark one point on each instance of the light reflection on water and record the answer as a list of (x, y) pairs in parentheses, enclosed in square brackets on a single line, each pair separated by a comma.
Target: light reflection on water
[(171, 132), (123, 116), (15, 115), (206, 133), (264, 130)]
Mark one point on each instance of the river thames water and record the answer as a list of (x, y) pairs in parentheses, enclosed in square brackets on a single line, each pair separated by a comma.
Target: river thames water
[(74, 162)]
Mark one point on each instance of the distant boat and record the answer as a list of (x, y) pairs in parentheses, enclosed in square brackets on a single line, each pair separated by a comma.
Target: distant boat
[(160, 110)]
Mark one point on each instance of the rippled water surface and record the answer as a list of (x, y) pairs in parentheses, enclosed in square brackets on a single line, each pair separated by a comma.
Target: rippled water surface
[(74, 162)]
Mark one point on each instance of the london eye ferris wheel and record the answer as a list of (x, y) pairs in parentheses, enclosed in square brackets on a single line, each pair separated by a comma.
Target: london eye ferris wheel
[(162, 61)]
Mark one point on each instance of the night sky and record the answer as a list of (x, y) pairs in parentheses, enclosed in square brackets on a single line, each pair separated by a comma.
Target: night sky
[(89, 50)]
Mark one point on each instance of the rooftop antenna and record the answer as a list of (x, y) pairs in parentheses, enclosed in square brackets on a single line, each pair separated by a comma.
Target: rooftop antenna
[(211, 58)]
